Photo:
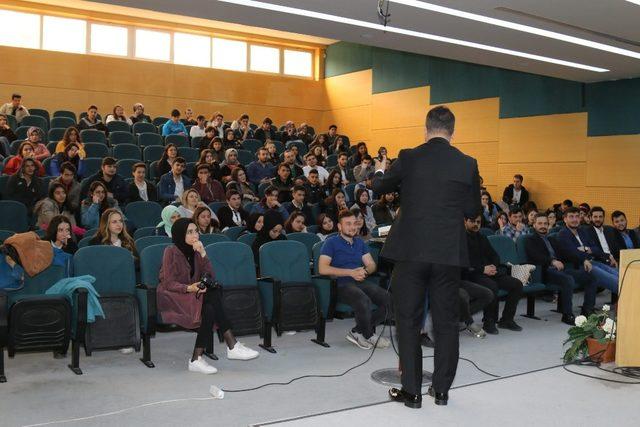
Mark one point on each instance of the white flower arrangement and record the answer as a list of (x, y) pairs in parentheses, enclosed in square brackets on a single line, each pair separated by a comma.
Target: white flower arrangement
[(580, 320)]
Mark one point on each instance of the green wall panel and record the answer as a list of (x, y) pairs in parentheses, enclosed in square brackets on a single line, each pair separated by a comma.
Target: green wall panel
[(453, 81), (614, 107), (395, 70), (523, 94), (344, 58)]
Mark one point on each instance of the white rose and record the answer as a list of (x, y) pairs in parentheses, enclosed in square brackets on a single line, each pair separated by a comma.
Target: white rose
[(580, 320), (608, 326), (606, 307)]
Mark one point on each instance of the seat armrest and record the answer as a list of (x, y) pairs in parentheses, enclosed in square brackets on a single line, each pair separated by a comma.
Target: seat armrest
[(146, 296), (80, 302), (269, 289), (4, 318), (327, 290)]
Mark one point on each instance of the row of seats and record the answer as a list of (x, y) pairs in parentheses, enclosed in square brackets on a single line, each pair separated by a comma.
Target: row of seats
[(281, 263)]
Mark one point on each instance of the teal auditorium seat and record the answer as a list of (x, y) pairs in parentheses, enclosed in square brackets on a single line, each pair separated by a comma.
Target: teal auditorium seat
[(247, 239), (245, 157), (42, 322), (252, 145), (65, 113), (21, 132), (127, 151), (233, 266), (84, 242), (37, 121), (208, 239), (147, 139), (118, 277), (55, 134), (121, 137), (214, 206), (13, 216), (284, 264), (40, 112), (93, 135), (141, 127), (487, 231), (189, 154), (307, 239), (96, 150), (144, 242), (144, 231), (152, 153), (118, 126), (160, 121), (506, 250), (61, 122), (177, 140), (124, 166), (233, 232), (143, 214), (5, 234)]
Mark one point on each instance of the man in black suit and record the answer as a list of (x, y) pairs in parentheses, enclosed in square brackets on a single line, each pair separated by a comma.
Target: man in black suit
[(515, 194), (232, 215), (440, 183), (625, 238), (541, 252), (602, 236)]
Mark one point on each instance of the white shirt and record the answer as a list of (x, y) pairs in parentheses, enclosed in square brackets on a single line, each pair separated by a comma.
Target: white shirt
[(237, 219), (117, 243), (516, 195), (179, 186), (323, 174), (142, 190), (196, 131), (603, 240)]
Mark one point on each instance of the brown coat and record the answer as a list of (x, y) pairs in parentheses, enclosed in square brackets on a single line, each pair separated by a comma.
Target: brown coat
[(35, 254), (175, 305)]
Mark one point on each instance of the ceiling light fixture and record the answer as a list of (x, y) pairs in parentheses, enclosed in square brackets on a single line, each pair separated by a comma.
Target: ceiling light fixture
[(411, 33), (634, 1), (520, 27)]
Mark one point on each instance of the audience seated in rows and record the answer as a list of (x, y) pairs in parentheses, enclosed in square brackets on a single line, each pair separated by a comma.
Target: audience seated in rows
[(295, 223), (68, 179), (26, 186), (71, 135), (229, 165), (299, 204), (326, 226), (270, 202), (56, 204), (217, 123), (516, 226), (25, 151), (265, 131)]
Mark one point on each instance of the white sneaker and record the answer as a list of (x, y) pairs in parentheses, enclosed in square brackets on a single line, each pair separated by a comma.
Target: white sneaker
[(201, 365), (126, 350), (359, 340), (240, 352), (381, 341)]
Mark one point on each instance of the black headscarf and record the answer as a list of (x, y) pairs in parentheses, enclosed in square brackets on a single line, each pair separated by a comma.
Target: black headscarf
[(271, 219), (178, 235), (251, 222)]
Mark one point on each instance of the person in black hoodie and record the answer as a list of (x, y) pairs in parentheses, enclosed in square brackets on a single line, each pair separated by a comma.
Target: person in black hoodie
[(270, 232), (486, 270), (25, 186), (515, 194), (116, 185)]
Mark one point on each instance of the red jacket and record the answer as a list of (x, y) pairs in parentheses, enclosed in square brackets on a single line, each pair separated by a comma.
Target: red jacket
[(14, 163), (174, 303)]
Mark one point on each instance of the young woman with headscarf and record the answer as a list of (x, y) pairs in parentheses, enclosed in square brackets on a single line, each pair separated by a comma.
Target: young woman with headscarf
[(181, 301), (271, 231), (169, 215)]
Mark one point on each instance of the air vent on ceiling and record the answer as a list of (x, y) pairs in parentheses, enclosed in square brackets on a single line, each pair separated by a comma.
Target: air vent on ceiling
[(564, 24)]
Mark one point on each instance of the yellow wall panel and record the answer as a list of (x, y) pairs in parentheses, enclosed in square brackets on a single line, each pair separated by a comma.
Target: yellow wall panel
[(548, 183), (396, 139), (55, 80), (352, 121), (349, 90), (613, 161), (552, 138), (476, 121), (626, 200), (486, 153), (402, 108)]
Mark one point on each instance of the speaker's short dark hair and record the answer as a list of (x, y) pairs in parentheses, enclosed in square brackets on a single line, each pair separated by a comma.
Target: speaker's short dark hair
[(441, 119)]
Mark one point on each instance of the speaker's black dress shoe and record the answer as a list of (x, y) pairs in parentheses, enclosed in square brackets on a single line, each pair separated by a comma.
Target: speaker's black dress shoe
[(569, 319), (440, 398), (409, 400)]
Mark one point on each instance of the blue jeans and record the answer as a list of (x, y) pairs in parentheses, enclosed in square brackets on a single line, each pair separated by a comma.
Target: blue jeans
[(605, 276), (566, 280)]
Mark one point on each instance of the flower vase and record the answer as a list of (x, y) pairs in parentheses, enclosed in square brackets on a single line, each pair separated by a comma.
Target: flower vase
[(602, 353)]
